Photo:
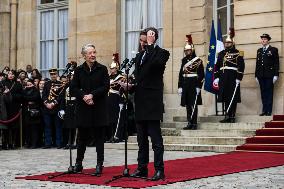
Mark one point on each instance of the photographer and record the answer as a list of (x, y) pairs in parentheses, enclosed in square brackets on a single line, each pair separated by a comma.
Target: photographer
[(32, 114)]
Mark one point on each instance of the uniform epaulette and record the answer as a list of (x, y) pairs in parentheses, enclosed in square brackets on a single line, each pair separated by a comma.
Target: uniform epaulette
[(242, 53)]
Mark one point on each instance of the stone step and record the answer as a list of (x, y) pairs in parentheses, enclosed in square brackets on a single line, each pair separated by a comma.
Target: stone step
[(240, 118), (177, 147), (218, 133), (198, 140), (210, 126)]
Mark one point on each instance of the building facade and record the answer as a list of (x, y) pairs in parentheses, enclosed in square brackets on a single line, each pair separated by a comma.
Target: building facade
[(50, 33)]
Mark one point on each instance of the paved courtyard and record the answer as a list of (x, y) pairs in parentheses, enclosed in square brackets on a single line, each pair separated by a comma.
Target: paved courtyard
[(26, 162)]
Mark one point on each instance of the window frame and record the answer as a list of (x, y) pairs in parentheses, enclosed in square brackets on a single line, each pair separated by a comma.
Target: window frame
[(56, 6), (229, 16), (123, 25)]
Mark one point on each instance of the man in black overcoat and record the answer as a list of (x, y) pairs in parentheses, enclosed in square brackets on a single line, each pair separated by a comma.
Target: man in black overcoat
[(149, 70), (90, 85), (266, 73)]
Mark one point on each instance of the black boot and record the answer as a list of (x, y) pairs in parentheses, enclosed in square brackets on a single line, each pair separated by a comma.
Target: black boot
[(99, 170), (225, 120), (78, 167), (232, 119), (188, 127), (159, 175), (194, 126), (140, 172)]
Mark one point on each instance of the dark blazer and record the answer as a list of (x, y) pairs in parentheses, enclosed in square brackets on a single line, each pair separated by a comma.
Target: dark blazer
[(149, 83), (95, 82), (267, 63)]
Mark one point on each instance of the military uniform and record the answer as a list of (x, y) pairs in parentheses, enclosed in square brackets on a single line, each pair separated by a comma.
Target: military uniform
[(115, 101), (229, 68), (267, 67), (52, 93), (191, 76)]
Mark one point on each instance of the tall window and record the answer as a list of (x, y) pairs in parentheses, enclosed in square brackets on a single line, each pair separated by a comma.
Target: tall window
[(137, 15), (224, 10), (53, 35)]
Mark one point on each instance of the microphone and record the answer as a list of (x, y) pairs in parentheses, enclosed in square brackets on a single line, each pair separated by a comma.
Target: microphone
[(124, 63), (130, 64), (68, 65)]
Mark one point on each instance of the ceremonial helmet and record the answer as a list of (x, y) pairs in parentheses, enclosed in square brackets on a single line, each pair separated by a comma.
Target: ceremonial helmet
[(188, 43), (115, 61), (230, 36)]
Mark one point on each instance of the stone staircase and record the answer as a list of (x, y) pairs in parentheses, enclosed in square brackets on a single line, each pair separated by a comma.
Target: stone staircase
[(210, 136)]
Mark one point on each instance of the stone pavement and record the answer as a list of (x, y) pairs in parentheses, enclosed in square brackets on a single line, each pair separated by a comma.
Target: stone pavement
[(27, 162)]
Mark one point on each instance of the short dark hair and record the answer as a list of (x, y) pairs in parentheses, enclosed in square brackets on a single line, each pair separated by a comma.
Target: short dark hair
[(154, 30), (143, 32)]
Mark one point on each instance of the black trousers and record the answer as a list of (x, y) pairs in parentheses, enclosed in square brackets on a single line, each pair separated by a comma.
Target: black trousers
[(84, 136), (150, 128), (189, 110), (266, 90)]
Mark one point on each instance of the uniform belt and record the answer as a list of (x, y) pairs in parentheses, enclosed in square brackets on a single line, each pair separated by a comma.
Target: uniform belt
[(229, 68), (189, 75), (113, 91)]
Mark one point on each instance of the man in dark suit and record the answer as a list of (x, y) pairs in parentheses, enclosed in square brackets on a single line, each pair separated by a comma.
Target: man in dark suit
[(266, 72), (149, 70), (90, 85)]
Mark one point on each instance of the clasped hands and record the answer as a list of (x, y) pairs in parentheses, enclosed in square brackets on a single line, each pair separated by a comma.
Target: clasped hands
[(88, 99)]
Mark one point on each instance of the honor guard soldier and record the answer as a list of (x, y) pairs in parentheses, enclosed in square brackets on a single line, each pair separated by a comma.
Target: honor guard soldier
[(115, 100), (266, 73), (52, 96), (191, 78), (229, 71)]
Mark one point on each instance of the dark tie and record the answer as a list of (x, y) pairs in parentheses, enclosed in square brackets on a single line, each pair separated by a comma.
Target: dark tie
[(143, 58)]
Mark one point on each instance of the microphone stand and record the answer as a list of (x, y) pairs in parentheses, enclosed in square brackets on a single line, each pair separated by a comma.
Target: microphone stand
[(71, 167), (125, 172)]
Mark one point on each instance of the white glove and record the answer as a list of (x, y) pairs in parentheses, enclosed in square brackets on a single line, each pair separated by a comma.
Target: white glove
[(238, 81), (275, 79), (216, 81), (256, 80), (61, 114), (179, 91), (198, 91)]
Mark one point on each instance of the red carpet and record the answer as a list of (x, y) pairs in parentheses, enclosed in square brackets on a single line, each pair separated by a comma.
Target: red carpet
[(178, 170), (270, 138)]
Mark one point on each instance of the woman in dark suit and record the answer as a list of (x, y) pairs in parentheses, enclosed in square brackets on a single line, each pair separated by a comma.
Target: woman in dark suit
[(90, 85)]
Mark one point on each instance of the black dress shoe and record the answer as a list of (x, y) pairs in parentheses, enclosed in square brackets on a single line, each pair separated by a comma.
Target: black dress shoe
[(99, 171), (140, 172), (262, 114), (268, 114), (159, 175), (78, 168), (188, 127), (46, 147)]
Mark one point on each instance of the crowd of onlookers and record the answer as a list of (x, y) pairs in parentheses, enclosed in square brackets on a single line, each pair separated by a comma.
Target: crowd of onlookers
[(28, 120), (21, 117)]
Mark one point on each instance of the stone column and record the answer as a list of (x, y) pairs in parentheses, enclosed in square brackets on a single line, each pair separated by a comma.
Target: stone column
[(4, 33), (13, 40)]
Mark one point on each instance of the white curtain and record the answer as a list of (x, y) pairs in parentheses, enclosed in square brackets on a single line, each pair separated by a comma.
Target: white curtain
[(154, 17), (133, 26), (136, 20), (62, 37), (46, 40)]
